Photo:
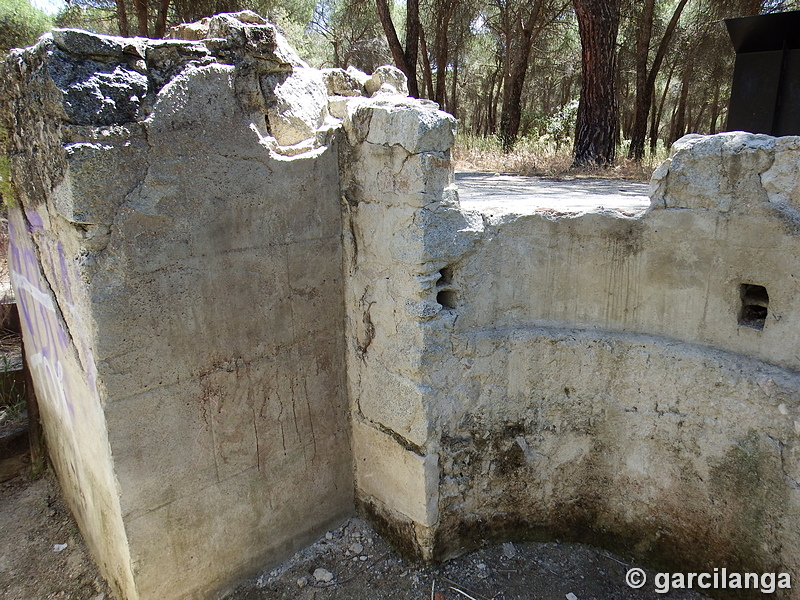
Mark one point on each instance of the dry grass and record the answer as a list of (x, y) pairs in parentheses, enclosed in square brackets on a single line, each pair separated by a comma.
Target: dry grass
[(544, 157)]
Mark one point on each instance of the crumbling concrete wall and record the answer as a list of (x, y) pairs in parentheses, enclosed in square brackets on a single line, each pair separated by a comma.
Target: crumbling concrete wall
[(397, 188), (626, 380), (177, 257), (218, 277)]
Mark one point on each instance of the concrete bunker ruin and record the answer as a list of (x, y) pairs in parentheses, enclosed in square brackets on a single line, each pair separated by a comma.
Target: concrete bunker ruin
[(253, 304)]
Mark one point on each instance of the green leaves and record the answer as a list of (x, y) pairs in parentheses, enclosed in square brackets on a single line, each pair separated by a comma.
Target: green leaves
[(20, 24)]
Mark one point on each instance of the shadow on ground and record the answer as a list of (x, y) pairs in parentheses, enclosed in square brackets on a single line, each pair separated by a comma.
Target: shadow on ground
[(42, 557), (360, 566)]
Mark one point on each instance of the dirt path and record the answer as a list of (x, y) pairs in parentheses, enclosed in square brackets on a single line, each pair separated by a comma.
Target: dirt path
[(499, 194)]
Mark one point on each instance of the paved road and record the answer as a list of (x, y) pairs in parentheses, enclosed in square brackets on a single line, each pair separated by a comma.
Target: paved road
[(506, 194)]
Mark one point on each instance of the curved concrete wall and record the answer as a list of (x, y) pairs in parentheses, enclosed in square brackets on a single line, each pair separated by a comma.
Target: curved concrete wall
[(608, 380), (625, 380), (677, 453)]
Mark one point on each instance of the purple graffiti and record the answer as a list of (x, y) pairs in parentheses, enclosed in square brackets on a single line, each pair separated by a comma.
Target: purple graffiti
[(46, 340)]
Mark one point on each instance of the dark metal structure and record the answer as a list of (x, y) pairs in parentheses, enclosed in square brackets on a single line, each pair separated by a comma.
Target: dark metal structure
[(765, 95)]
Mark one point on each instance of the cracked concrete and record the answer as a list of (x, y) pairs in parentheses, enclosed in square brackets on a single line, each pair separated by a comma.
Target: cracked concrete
[(163, 418), (251, 313), (583, 364)]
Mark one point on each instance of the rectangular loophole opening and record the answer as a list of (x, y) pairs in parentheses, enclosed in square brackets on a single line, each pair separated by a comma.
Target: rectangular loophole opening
[(446, 298), (446, 294), (755, 305)]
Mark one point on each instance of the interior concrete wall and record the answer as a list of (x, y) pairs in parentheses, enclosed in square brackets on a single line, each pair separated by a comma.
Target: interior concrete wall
[(581, 375), (593, 379), (674, 272)]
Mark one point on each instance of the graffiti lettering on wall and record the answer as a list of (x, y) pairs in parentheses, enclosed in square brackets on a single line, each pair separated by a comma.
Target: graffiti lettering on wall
[(46, 339)]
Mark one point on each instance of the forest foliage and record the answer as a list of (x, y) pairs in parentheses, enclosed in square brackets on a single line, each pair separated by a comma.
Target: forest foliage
[(507, 69), (20, 24)]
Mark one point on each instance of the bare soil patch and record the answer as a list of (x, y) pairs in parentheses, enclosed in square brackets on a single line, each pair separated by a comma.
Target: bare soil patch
[(361, 566), (42, 554), (35, 524)]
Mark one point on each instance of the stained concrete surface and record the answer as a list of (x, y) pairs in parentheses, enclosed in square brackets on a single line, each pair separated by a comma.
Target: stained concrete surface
[(502, 193), (183, 353), (544, 363)]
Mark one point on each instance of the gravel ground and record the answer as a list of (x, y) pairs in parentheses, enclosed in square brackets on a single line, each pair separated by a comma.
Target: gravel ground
[(43, 557), (354, 563)]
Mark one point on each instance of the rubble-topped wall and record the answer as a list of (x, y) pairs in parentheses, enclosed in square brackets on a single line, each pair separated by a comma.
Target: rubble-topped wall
[(629, 380), (178, 261), (251, 297)]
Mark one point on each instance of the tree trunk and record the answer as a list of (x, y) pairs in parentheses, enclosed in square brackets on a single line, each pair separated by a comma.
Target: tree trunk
[(624, 106), (454, 90), (566, 92), (161, 21), (391, 35), (655, 123), (440, 93), (141, 16), (488, 99), (402, 57), (413, 28), (529, 25), (442, 50), (512, 100), (714, 112), (679, 122), (491, 108), (547, 97), (598, 115), (337, 60), (427, 76), (476, 123), (696, 122), (647, 80), (122, 18), (643, 94), (495, 102)]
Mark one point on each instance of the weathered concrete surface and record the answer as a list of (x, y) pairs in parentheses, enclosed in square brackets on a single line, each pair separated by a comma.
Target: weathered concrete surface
[(582, 366), (215, 290), (395, 174), (562, 414), (181, 285), (677, 453)]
